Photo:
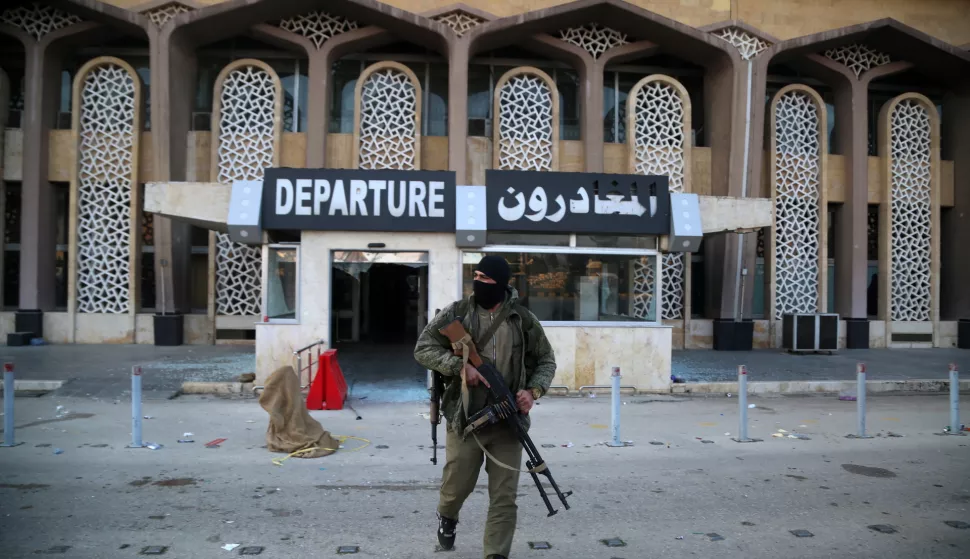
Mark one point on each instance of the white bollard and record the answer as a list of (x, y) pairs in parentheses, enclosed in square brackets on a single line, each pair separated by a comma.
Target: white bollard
[(8, 412), (860, 399), (743, 407), (615, 405), (136, 441), (955, 427)]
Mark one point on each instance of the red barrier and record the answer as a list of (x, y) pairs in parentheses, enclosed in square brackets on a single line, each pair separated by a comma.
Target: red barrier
[(328, 389)]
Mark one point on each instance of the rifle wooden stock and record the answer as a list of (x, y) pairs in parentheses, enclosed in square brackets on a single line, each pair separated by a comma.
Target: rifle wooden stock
[(455, 332)]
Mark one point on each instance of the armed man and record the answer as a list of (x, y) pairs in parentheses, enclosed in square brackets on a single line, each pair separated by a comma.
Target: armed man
[(508, 337)]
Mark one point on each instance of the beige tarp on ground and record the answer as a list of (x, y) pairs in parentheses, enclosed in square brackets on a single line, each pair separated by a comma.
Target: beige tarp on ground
[(290, 426)]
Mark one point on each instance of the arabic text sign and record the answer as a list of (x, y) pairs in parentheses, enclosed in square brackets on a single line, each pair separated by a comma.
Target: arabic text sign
[(358, 200), (578, 203)]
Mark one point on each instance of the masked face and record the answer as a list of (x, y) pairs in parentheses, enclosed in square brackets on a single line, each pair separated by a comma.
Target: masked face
[(487, 292)]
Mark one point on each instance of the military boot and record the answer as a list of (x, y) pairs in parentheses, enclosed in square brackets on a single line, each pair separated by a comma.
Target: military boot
[(446, 532)]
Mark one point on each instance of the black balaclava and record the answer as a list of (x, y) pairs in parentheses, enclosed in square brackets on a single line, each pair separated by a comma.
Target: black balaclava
[(487, 295)]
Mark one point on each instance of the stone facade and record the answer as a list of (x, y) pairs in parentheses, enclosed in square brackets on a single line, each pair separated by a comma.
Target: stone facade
[(816, 148)]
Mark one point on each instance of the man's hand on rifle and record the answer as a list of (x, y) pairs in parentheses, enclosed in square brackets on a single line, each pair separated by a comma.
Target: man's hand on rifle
[(473, 377), (525, 401)]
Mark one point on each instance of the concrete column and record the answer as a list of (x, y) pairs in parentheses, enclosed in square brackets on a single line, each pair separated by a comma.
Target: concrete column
[(172, 101), (318, 108), (37, 220), (851, 231), (955, 266), (726, 109), (458, 58), (591, 78)]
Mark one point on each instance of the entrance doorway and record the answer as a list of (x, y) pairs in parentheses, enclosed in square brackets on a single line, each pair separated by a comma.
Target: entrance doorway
[(378, 307)]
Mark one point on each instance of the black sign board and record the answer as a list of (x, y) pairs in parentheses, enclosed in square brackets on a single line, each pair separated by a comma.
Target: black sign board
[(577, 203), (358, 200)]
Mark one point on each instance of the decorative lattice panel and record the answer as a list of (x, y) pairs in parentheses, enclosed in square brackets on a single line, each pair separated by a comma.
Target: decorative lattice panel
[(910, 132), (593, 38), (460, 22), (246, 147), (317, 26), (388, 126), (797, 218), (859, 58), (162, 14), (37, 19), (748, 45), (106, 136), (643, 281), (659, 150), (525, 124)]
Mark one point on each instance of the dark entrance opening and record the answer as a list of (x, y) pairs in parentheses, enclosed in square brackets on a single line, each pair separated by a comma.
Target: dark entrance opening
[(378, 308)]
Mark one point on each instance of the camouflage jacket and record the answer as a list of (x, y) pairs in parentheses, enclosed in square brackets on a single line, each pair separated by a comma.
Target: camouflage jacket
[(532, 368)]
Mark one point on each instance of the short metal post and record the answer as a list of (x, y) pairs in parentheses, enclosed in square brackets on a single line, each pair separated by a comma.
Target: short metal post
[(136, 407), (615, 420), (955, 427), (8, 396), (860, 400), (743, 407), (615, 403)]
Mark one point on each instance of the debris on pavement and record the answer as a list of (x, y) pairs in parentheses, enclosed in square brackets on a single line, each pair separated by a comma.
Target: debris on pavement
[(799, 436), (186, 440), (153, 446), (230, 546), (568, 445), (715, 537), (958, 524), (883, 528), (149, 417), (187, 435), (548, 445), (802, 533), (214, 443), (58, 451), (679, 537), (752, 406)]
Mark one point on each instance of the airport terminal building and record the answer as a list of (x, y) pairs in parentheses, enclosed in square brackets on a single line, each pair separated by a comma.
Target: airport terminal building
[(849, 126)]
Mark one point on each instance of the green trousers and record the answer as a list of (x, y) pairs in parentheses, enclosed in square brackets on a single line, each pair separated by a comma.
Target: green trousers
[(463, 462)]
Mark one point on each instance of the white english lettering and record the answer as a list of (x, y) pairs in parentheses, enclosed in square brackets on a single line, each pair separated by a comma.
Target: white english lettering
[(396, 210), (417, 193), (339, 200), (358, 193), (284, 196), (321, 193), (377, 187), (303, 195), (436, 199)]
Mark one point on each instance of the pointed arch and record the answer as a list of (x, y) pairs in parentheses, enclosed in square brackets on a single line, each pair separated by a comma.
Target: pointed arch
[(909, 146), (659, 143), (246, 134), (105, 206), (387, 118), (798, 238), (525, 136)]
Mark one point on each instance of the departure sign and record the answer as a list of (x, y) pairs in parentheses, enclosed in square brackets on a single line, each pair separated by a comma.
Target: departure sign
[(577, 202), (358, 200)]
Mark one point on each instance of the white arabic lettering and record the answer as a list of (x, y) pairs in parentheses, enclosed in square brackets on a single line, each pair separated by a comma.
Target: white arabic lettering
[(556, 217), (617, 205), (538, 204), (580, 206), (513, 213)]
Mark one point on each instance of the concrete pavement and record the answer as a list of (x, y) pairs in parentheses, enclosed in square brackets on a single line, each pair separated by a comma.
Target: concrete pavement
[(104, 500)]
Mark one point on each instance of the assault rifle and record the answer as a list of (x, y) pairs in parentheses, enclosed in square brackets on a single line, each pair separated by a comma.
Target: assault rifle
[(437, 390), (503, 408)]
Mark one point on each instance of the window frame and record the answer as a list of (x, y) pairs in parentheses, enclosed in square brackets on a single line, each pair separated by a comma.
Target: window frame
[(299, 280), (657, 322)]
